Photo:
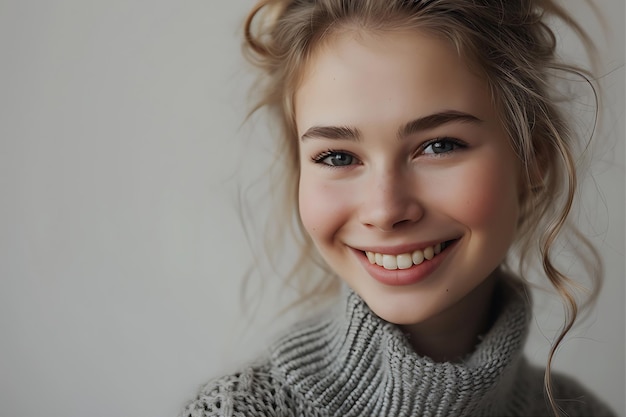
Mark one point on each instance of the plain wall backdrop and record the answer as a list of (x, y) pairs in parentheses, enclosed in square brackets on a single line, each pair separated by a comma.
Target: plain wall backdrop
[(122, 156)]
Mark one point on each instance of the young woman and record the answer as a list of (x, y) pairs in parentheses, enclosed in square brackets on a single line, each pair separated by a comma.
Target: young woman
[(425, 149)]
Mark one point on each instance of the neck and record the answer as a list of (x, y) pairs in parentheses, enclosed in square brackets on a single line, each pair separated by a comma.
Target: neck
[(352, 362), (454, 333)]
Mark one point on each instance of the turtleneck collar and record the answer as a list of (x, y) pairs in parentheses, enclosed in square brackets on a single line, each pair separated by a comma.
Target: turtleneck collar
[(353, 363)]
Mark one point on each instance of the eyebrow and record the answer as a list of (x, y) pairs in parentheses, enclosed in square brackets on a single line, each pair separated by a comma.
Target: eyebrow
[(333, 132), (414, 126), (435, 120)]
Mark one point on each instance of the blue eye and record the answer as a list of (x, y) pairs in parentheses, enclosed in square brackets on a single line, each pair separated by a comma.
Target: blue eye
[(441, 146), (335, 159)]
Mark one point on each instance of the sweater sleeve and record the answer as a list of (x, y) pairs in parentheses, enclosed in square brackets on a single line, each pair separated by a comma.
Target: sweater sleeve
[(250, 393)]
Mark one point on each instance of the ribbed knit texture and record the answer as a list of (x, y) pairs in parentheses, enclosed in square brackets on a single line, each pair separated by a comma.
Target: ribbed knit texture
[(352, 363)]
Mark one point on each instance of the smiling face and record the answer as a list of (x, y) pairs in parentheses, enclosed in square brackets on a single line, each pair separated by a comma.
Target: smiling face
[(404, 164)]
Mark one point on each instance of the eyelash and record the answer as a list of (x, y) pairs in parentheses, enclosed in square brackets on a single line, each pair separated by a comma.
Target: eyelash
[(319, 158), (456, 143)]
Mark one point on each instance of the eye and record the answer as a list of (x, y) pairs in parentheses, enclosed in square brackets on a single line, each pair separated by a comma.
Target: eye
[(441, 146), (334, 159)]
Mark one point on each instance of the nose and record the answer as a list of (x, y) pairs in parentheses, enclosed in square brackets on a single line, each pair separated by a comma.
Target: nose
[(390, 202)]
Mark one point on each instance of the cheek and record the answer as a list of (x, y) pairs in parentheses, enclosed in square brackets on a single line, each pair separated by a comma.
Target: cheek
[(323, 208), (309, 215), (487, 197)]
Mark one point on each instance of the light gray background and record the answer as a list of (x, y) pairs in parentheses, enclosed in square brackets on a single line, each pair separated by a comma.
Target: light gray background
[(121, 251)]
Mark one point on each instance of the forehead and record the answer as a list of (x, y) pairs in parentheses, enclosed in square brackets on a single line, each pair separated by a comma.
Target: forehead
[(386, 75)]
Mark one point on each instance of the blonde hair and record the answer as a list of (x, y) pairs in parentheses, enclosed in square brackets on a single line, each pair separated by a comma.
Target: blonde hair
[(510, 44)]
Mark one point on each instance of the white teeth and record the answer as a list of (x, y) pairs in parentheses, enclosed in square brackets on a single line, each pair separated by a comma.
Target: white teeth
[(418, 257), (405, 260), (390, 262)]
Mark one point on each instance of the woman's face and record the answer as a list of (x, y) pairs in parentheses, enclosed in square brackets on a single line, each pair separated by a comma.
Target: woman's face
[(408, 185)]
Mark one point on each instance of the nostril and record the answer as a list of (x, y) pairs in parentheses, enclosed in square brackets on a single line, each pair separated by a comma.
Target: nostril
[(401, 223), (389, 213)]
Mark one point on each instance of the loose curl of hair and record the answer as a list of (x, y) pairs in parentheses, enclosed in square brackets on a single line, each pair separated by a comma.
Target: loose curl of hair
[(511, 45)]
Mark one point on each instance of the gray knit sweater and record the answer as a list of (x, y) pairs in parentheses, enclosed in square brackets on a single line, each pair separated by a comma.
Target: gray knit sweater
[(352, 363)]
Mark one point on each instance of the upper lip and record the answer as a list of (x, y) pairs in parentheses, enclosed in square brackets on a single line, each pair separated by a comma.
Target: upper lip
[(401, 249)]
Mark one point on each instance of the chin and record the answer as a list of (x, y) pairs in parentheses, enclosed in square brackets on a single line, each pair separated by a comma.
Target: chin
[(406, 309)]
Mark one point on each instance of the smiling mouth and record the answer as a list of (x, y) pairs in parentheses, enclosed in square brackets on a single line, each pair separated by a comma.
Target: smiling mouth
[(407, 260)]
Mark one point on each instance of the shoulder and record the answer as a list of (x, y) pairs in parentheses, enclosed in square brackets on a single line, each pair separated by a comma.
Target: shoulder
[(576, 400), (267, 387), (572, 397), (255, 391)]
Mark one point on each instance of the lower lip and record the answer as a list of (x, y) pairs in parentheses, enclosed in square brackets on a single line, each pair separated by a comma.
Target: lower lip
[(400, 277)]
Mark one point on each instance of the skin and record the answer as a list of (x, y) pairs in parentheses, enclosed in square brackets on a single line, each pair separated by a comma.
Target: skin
[(371, 189)]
